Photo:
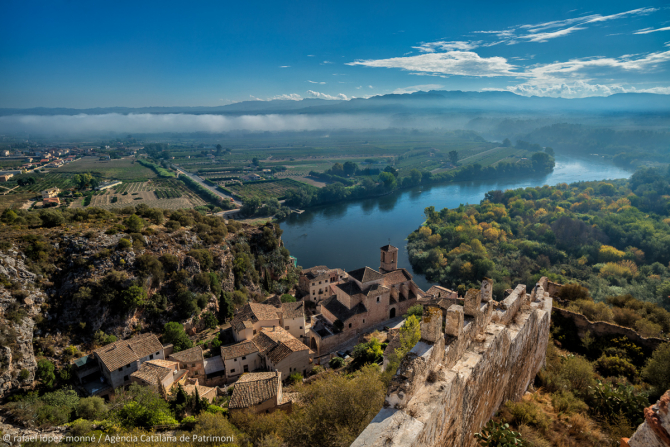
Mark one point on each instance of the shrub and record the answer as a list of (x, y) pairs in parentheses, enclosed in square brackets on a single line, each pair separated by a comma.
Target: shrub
[(125, 244), (91, 408), (610, 402), (497, 434), (527, 413), (657, 370), (648, 328), (416, 310), (317, 369), (566, 402), (286, 298), (45, 372), (592, 311), (579, 373), (336, 362), (24, 375), (209, 321), (573, 292), (294, 378), (616, 367)]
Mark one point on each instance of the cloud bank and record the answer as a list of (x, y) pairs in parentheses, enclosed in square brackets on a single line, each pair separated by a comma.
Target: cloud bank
[(154, 123)]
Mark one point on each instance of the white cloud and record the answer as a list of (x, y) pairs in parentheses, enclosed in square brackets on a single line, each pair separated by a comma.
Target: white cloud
[(284, 66), (310, 55), (340, 96), (580, 89), (431, 47), (291, 96), (651, 30), (369, 86), (416, 88), (536, 32), (464, 63), (326, 62), (359, 87), (316, 82)]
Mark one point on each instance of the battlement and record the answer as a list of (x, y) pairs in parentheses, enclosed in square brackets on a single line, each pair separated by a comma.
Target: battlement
[(470, 360)]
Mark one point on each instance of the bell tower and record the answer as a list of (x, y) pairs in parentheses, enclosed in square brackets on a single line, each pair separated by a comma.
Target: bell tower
[(389, 259)]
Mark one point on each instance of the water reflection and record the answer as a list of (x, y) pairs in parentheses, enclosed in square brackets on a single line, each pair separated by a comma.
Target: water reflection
[(349, 234)]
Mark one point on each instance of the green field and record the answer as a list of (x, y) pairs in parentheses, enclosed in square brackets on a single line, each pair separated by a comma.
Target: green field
[(267, 189), (121, 169)]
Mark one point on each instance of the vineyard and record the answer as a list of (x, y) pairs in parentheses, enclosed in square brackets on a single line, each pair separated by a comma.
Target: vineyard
[(42, 182), (268, 189)]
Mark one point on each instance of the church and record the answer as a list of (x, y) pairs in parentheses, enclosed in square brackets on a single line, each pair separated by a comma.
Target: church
[(363, 298)]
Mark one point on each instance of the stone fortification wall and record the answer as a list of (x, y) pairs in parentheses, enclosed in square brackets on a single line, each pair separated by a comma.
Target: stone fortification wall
[(601, 328), (453, 381)]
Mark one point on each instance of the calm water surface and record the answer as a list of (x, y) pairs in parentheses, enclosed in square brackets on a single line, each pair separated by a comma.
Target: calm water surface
[(348, 235)]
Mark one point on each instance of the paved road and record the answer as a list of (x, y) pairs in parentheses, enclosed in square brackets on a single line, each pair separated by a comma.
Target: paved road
[(205, 185)]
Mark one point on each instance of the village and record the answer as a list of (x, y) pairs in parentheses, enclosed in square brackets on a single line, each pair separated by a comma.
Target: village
[(273, 340)]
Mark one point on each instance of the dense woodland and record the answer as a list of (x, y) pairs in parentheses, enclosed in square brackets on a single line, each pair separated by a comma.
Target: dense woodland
[(611, 237)]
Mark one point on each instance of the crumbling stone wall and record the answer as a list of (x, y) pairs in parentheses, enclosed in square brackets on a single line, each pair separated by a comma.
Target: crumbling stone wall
[(655, 430), (452, 382), (601, 328)]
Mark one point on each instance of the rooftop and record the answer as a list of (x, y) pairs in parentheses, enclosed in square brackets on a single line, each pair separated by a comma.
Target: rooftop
[(123, 352), (238, 350), (154, 371), (255, 388), (365, 274), (389, 247), (191, 355), (293, 310)]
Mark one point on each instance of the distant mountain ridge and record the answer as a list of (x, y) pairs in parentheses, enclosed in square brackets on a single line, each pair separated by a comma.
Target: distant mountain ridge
[(434, 101)]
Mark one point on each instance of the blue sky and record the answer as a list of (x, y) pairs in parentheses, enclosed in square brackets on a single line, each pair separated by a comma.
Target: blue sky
[(141, 53)]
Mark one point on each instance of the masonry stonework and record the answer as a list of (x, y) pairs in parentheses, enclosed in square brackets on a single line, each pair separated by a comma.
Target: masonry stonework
[(445, 391)]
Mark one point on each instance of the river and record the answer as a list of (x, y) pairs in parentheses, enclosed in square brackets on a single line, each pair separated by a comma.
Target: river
[(348, 235)]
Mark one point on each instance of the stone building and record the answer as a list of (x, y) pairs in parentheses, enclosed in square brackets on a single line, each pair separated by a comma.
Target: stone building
[(315, 282), (111, 366), (51, 192), (365, 299), (271, 349), (205, 392), (248, 322), (191, 360), (153, 372), (259, 392)]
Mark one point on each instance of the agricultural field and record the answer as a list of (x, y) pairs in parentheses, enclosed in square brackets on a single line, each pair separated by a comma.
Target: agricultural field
[(267, 189), (165, 194), (42, 182), (125, 169)]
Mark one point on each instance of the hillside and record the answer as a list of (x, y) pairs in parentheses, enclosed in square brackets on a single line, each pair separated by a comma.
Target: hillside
[(81, 276)]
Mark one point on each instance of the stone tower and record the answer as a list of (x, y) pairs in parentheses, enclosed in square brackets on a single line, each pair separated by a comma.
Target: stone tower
[(389, 259)]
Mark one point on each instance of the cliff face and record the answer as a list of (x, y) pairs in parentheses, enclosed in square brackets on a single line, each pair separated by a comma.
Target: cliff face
[(20, 303), (655, 430), (452, 383), (59, 287)]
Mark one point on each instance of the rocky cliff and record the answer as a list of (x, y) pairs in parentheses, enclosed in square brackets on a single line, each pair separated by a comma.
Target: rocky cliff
[(455, 379)]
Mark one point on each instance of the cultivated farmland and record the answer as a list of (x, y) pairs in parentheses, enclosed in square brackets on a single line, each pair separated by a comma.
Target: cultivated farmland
[(267, 189)]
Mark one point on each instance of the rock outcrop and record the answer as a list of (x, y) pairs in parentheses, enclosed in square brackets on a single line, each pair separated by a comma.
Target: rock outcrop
[(655, 430), (448, 387)]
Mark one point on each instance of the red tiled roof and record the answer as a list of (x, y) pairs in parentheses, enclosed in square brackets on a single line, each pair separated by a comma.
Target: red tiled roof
[(255, 388), (123, 352), (238, 350)]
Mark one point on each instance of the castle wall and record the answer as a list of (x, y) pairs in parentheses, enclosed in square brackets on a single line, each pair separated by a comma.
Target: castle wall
[(449, 386), (601, 328)]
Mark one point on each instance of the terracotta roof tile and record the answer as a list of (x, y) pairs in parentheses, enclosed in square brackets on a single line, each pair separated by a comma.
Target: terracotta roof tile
[(365, 274), (293, 310), (396, 277), (154, 371), (253, 312), (389, 247), (239, 350), (123, 352), (203, 391), (192, 355), (255, 388)]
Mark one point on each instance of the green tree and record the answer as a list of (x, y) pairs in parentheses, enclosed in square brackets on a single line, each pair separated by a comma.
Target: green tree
[(134, 223), (226, 306), (453, 157), (349, 168), (388, 180), (92, 408), (133, 297), (657, 370), (507, 143), (46, 372), (175, 334), (286, 298), (209, 320)]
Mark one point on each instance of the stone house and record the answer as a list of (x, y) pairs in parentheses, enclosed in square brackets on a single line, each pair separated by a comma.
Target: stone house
[(241, 358), (272, 313), (259, 392), (272, 348), (251, 318), (283, 352), (191, 360), (153, 372), (367, 298), (111, 366), (6, 177), (51, 192), (315, 282), (292, 316), (205, 392)]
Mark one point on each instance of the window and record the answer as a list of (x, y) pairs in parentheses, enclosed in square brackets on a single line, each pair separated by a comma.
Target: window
[(125, 378), (151, 357), (300, 327), (377, 299), (286, 327), (313, 283), (121, 368), (326, 281), (254, 331), (128, 366), (363, 321), (246, 368), (349, 324), (244, 358), (192, 365), (232, 371), (313, 292), (319, 282), (158, 353)]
